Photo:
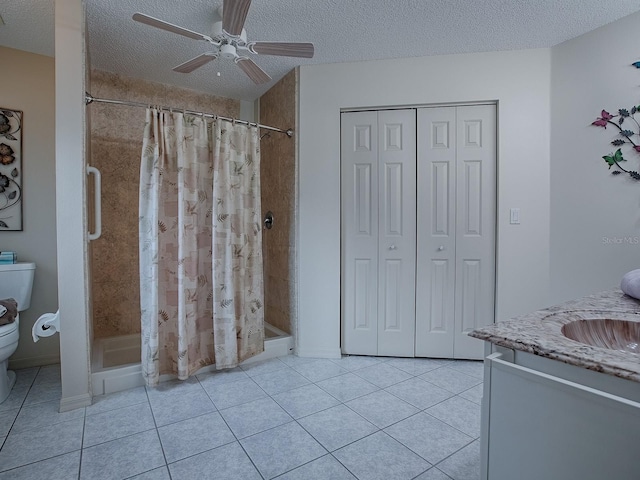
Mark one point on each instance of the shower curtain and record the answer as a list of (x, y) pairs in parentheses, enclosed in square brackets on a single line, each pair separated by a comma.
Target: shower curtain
[(201, 284)]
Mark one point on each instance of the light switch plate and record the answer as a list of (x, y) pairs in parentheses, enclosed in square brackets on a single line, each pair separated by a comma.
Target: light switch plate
[(514, 216)]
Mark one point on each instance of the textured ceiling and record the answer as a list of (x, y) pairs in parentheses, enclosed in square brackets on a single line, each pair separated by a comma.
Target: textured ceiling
[(342, 31)]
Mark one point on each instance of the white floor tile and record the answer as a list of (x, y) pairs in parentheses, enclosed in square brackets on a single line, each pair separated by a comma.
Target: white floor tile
[(265, 366), (336, 427), (25, 377), (464, 464), (174, 388), (49, 374), (418, 366), (324, 468), (63, 467), (43, 414), (430, 438), (280, 381), (193, 436), (450, 379), (44, 392), (459, 413), (473, 368), (228, 462), (6, 421), (347, 387), (107, 426), (355, 362), (220, 377), (429, 409), (113, 401), (281, 449), (254, 417), (15, 399), (175, 408), (304, 401), (161, 473), (234, 393), (382, 375), (433, 474), (474, 394), (380, 457), (319, 369), (381, 408), (122, 458), (42, 443), (419, 393)]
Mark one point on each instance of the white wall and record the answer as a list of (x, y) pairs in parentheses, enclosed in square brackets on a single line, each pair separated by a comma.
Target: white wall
[(588, 205), (28, 85), (518, 80), (70, 208)]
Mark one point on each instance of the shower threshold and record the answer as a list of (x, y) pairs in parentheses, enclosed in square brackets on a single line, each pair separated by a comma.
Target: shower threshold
[(115, 361)]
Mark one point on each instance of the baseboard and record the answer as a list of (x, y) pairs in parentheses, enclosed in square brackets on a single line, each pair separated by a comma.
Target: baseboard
[(319, 352), (71, 403), (40, 361)]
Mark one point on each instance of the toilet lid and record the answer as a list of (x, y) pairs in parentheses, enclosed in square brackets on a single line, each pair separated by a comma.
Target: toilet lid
[(7, 329)]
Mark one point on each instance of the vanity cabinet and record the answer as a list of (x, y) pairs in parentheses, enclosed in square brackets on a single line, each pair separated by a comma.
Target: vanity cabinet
[(544, 419)]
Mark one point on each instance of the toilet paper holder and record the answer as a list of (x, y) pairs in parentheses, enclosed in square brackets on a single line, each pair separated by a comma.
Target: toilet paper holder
[(46, 325)]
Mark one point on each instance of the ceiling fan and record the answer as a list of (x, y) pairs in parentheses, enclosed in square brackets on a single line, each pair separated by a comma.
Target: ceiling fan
[(230, 41)]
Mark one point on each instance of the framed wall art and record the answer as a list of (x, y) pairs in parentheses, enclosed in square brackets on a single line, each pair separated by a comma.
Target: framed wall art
[(10, 169)]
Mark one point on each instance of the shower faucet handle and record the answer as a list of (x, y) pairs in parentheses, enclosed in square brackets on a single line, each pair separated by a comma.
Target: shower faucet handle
[(268, 220)]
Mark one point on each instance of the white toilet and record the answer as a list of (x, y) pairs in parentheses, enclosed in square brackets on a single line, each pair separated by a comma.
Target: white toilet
[(16, 281)]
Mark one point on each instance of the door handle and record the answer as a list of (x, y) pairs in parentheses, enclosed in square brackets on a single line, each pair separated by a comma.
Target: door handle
[(441, 248), (97, 191), (393, 247)]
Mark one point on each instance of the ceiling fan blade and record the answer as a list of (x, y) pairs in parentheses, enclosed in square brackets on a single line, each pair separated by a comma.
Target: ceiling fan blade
[(197, 62), (253, 71), (234, 14), (285, 49), (169, 27)]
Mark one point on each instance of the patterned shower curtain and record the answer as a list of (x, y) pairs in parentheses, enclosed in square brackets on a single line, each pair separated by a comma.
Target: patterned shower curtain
[(201, 284)]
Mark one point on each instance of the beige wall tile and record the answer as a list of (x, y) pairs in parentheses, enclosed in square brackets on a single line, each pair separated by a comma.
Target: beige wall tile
[(116, 144)]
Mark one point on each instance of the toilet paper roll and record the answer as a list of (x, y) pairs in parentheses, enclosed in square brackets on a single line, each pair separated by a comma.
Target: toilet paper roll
[(46, 326)]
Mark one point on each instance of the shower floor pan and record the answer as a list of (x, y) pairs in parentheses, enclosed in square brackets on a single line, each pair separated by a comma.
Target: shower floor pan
[(115, 362)]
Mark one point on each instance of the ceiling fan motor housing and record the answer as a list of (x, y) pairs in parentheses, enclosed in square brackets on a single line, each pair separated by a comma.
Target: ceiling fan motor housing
[(228, 51)]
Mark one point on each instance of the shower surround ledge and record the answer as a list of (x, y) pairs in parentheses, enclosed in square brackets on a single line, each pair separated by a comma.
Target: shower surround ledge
[(547, 397), (540, 333)]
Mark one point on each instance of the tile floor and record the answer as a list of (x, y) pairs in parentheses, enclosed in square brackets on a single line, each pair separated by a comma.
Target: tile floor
[(291, 418)]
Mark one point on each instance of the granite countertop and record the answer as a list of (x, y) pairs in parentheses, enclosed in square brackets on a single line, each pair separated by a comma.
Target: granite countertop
[(539, 333)]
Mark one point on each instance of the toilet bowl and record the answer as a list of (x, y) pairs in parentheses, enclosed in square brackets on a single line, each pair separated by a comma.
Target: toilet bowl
[(9, 337), (16, 281)]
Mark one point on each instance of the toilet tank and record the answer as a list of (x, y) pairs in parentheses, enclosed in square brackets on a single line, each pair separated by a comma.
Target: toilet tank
[(16, 281)]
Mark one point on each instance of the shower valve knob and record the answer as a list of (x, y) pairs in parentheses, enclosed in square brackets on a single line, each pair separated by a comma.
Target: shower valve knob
[(268, 220)]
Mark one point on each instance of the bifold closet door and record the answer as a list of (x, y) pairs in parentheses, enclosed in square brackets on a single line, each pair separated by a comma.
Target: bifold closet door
[(455, 277), (378, 232)]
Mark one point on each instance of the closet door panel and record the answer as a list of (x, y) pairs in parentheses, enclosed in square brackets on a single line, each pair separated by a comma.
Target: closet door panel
[(436, 229), (359, 152), (475, 226), (397, 244)]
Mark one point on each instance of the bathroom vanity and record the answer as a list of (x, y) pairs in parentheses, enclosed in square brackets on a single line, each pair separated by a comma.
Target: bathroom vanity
[(556, 408)]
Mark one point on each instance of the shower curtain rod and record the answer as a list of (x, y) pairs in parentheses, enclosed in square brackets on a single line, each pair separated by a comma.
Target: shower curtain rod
[(88, 98)]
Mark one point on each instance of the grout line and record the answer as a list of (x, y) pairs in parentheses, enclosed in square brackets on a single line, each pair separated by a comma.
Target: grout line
[(233, 433), (296, 420), (20, 407)]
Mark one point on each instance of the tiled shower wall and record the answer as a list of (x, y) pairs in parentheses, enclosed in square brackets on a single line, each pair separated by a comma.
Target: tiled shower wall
[(116, 144), (278, 176)]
